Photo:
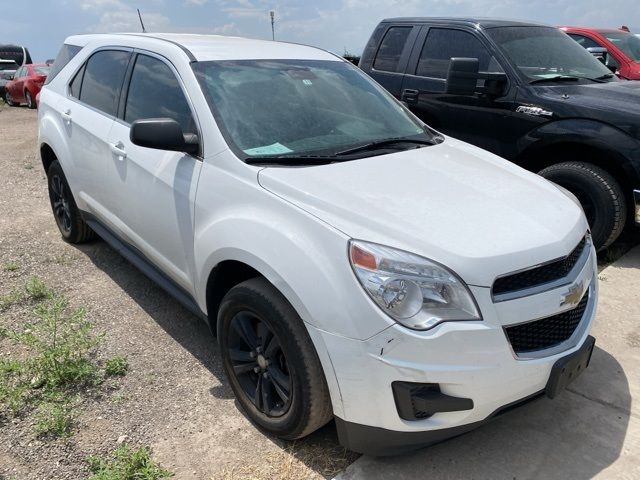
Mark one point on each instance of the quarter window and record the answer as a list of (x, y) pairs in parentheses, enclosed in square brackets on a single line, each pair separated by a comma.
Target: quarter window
[(442, 45), (154, 92), (102, 81), (391, 48), (76, 83)]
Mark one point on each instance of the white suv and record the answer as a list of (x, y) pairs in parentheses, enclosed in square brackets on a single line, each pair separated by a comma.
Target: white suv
[(354, 263)]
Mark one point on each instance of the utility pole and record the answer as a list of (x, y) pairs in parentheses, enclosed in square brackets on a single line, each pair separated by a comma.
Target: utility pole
[(141, 23), (273, 31)]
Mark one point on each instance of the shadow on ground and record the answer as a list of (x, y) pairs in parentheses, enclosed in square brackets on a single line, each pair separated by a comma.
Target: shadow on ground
[(320, 451)]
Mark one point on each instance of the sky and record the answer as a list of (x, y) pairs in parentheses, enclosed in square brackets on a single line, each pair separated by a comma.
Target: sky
[(336, 25)]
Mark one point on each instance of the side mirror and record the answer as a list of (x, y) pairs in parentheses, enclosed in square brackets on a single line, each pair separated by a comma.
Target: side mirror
[(463, 76), (163, 134), (600, 53)]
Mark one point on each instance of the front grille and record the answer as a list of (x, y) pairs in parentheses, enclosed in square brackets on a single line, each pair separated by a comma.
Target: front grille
[(539, 275), (547, 332)]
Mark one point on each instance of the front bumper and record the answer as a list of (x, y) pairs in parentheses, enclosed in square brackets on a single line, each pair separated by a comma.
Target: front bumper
[(469, 360)]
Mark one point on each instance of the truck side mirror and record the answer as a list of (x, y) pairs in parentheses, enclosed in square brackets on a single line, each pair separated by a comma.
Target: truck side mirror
[(463, 76), (603, 55)]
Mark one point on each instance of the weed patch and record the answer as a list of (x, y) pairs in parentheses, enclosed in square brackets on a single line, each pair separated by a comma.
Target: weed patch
[(10, 266), (126, 464), (116, 366), (60, 362)]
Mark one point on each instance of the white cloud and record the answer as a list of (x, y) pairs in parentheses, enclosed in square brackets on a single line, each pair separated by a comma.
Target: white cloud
[(197, 3)]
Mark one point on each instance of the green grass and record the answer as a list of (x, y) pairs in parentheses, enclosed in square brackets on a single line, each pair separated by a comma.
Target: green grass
[(54, 418), (117, 365), (60, 362), (126, 464), (10, 266)]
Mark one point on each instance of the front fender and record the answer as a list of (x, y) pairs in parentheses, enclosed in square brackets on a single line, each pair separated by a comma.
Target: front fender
[(302, 256), (592, 133)]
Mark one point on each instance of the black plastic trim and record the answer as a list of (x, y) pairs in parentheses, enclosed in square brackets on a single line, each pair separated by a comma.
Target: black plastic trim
[(417, 401), (142, 263), (380, 442)]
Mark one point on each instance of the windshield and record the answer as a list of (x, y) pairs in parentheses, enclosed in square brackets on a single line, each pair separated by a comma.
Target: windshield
[(627, 42), (546, 52), (289, 107), (42, 70)]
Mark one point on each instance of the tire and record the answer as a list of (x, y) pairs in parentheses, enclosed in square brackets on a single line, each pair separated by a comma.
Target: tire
[(9, 99), (599, 193), (255, 311), (30, 101), (70, 223)]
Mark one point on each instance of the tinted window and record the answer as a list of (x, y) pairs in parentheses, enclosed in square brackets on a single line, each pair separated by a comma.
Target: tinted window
[(67, 52), (442, 45), (76, 83), (583, 41), (102, 82), (391, 48), (154, 92), (8, 66)]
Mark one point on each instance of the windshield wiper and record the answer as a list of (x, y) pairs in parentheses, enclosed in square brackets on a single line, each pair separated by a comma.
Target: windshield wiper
[(384, 143), (558, 78), (294, 160), (603, 77)]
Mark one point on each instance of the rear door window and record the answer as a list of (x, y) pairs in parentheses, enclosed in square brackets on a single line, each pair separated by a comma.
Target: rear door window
[(391, 48), (154, 92), (441, 45), (586, 42), (103, 77), (67, 52)]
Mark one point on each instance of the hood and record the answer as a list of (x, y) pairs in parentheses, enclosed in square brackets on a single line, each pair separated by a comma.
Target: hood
[(468, 209), (616, 103)]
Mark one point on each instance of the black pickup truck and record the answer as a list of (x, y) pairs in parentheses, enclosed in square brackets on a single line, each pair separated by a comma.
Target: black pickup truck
[(526, 92)]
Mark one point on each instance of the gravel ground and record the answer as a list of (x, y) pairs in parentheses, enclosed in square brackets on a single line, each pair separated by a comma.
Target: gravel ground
[(174, 399)]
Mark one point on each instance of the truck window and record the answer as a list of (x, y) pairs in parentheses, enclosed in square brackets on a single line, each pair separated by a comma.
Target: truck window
[(391, 48), (443, 44), (586, 42)]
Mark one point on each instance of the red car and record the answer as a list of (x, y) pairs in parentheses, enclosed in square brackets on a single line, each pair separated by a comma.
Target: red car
[(26, 84), (623, 48)]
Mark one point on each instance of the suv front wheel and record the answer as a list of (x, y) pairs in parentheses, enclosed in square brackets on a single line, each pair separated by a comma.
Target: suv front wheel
[(599, 193), (271, 362)]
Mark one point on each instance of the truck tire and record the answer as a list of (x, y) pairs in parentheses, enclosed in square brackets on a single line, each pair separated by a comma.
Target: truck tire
[(70, 223), (599, 193), (271, 362)]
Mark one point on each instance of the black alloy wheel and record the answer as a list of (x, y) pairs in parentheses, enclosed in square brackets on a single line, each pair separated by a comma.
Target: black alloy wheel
[(259, 364), (59, 196)]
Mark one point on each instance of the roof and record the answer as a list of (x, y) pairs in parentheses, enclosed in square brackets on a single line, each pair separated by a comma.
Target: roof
[(213, 47), (484, 22), (592, 29)]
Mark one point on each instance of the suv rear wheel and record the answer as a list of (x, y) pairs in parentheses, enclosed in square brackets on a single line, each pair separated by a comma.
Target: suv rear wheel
[(271, 362), (599, 193), (71, 225)]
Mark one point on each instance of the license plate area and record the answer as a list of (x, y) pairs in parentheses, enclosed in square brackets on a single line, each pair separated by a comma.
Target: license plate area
[(567, 369)]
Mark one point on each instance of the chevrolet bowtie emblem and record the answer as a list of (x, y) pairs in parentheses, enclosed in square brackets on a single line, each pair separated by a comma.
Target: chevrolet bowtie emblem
[(573, 296)]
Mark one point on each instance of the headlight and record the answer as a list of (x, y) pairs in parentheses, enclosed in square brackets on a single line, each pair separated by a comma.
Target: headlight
[(412, 290)]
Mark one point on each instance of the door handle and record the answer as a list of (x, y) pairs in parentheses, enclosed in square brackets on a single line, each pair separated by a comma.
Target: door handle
[(118, 150), (410, 95), (66, 116)]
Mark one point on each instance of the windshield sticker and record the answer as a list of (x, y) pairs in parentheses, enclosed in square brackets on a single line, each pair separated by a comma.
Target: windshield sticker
[(307, 82), (272, 149)]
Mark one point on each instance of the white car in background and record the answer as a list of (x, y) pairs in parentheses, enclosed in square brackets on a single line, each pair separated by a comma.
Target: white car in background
[(354, 263)]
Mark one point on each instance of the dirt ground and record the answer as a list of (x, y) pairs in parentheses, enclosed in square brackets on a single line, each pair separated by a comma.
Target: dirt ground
[(174, 398)]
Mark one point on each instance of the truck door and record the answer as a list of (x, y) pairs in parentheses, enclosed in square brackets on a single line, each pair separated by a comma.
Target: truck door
[(477, 119), (391, 57)]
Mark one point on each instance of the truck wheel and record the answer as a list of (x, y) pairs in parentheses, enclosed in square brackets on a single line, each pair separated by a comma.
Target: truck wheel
[(271, 362), (599, 193), (71, 225)]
